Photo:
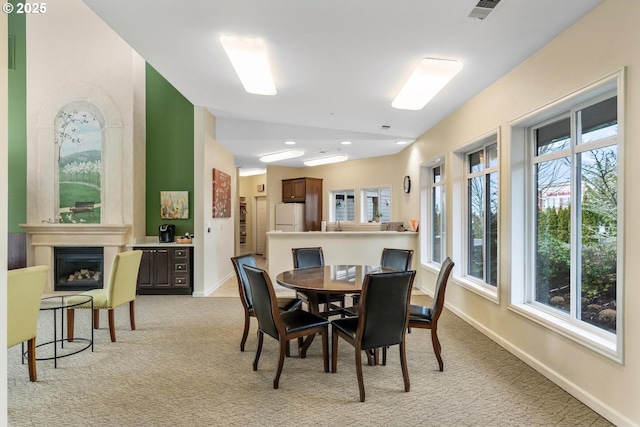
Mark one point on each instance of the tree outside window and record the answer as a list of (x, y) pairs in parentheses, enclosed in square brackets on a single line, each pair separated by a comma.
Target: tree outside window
[(576, 183)]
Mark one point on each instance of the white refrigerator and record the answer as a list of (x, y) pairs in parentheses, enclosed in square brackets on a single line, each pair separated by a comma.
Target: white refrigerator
[(290, 217)]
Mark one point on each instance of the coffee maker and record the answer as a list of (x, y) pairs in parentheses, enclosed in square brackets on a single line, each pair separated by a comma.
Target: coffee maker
[(166, 233)]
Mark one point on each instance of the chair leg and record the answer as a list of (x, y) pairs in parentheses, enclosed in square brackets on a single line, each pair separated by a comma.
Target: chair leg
[(70, 323), (283, 345), (325, 348), (359, 372), (245, 333), (31, 359), (334, 352), (436, 347), (384, 356), (288, 349), (258, 350), (96, 318), (112, 325), (132, 314), (403, 364)]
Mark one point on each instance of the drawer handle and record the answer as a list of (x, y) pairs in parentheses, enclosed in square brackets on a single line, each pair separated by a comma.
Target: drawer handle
[(181, 267)]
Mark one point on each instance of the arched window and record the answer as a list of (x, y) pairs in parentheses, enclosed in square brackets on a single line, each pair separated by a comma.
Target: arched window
[(78, 139)]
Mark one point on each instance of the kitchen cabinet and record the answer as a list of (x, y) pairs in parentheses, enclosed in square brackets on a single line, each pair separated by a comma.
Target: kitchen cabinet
[(308, 191), (165, 270)]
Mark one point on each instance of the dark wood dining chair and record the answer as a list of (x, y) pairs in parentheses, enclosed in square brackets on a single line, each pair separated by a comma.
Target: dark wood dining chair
[(314, 257), (283, 326), (284, 304), (427, 317), (383, 316), (397, 259)]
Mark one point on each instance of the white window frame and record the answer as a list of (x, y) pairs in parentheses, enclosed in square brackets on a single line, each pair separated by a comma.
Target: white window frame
[(427, 232), (459, 209), (332, 204), (363, 203), (522, 222)]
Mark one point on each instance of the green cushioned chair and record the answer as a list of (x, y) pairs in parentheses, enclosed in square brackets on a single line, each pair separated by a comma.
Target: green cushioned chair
[(120, 289), (24, 293)]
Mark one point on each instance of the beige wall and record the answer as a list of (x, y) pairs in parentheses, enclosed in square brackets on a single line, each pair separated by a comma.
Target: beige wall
[(212, 249), (387, 171), (85, 61), (601, 43)]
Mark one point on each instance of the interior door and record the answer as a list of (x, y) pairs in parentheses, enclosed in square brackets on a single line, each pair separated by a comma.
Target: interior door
[(261, 225)]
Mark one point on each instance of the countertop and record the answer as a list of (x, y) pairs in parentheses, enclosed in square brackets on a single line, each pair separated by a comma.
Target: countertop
[(158, 244), (339, 233)]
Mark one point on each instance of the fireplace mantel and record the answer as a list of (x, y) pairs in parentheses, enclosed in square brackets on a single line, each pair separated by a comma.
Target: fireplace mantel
[(77, 234), (44, 238)]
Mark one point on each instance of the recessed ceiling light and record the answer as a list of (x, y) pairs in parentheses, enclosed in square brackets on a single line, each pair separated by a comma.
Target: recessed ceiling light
[(325, 160), (345, 142), (249, 58), (283, 155), (251, 172), (290, 142), (429, 77), (401, 142)]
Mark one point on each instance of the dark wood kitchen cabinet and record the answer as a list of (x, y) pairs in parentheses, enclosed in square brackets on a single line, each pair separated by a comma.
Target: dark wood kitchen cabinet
[(165, 270), (309, 192)]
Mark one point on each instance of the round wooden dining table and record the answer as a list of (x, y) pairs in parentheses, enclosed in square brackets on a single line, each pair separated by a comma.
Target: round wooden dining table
[(329, 279)]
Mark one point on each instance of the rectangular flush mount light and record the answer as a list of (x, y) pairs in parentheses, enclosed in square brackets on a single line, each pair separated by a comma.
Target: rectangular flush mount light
[(283, 155), (429, 77), (249, 58), (325, 160)]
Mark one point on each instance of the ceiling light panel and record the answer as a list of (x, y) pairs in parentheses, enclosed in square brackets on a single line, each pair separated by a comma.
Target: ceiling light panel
[(283, 155), (429, 77), (251, 172), (325, 160), (249, 58)]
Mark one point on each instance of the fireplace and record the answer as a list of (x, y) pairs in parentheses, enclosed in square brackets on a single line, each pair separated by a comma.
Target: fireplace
[(78, 268)]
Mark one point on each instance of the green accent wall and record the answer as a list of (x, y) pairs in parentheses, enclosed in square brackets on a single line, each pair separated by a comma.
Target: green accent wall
[(17, 149), (169, 150)]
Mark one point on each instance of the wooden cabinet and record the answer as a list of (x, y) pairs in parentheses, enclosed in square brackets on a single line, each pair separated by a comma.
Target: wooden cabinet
[(309, 192), (294, 190), (165, 270)]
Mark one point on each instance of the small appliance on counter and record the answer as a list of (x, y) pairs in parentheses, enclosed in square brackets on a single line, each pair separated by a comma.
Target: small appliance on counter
[(166, 233)]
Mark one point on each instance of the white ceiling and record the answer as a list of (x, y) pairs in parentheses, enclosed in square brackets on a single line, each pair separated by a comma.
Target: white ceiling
[(337, 64)]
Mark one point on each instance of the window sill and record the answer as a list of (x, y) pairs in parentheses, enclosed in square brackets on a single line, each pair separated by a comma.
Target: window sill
[(595, 342), (485, 291)]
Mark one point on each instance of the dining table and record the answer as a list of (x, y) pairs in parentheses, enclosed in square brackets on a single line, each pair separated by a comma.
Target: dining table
[(329, 279)]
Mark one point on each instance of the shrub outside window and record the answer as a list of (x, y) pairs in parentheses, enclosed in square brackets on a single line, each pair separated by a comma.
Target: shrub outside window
[(575, 167)]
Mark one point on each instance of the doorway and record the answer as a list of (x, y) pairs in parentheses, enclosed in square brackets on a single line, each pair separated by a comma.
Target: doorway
[(261, 225)]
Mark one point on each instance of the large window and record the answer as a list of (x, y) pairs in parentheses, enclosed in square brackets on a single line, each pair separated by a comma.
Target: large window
[(575, 164), (482, 213), (376, 204), (566, 240)]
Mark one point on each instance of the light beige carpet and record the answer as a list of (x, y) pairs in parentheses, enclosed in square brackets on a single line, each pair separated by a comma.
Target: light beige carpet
[(183, 367)]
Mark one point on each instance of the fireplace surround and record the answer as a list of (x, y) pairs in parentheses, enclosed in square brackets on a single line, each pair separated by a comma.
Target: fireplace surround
[(44, 238)]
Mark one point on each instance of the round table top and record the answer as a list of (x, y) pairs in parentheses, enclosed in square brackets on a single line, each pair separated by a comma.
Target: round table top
[(334, 279), (56, 302)]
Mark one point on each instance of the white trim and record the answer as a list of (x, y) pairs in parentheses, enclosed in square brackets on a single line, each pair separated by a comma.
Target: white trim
[(522, 268)]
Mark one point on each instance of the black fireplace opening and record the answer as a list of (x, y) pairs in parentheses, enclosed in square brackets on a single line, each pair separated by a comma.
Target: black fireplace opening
[(78, 268)]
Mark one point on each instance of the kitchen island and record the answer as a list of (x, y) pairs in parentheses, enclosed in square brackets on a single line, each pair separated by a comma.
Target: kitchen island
[(339, 247)]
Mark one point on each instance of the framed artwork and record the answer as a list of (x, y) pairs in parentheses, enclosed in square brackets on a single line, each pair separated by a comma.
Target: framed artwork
[(174, 204), (221, 194)]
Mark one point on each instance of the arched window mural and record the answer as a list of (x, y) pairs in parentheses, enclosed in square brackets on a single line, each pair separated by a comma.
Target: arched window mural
[(79, 157)]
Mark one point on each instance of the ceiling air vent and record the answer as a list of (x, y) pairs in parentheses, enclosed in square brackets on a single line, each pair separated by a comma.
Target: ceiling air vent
[(483, 9)]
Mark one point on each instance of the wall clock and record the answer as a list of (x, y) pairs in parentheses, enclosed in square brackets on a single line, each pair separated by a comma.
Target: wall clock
[(407, 184)]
